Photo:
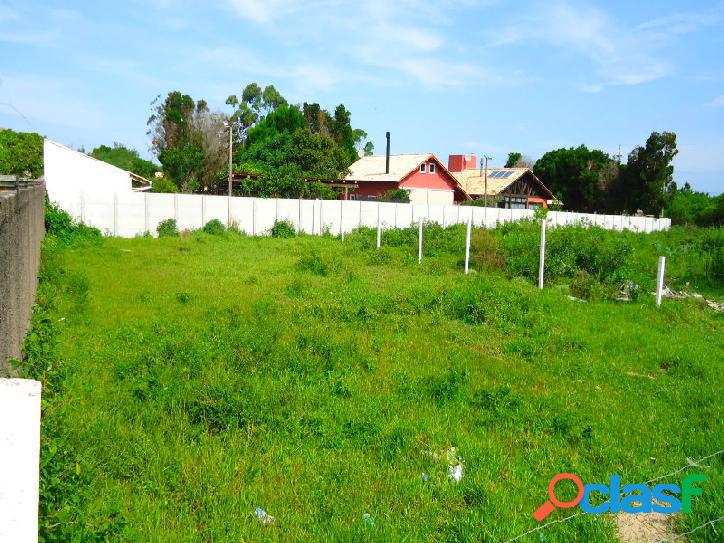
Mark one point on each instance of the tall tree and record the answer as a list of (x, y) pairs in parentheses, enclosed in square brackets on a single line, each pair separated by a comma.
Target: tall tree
[(647, 179), (188, 140)]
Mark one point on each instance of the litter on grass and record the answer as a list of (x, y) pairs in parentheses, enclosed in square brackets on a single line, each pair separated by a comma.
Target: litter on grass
[(669, 293), (369, 521), (454, 463), (264, 517)]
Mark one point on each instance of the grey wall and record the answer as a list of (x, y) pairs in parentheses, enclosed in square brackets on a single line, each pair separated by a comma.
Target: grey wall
[(22, 228)]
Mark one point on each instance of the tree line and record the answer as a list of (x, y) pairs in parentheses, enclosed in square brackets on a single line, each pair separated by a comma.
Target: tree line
[(590, 180), (282, 145), (286, 148)]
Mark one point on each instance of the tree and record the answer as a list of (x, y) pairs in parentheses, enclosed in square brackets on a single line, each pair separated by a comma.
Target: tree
[(574, 175), (126, 159), (21, 153), (699, 208), (512, 159), (518, 160), (189, 141), (647, 179)]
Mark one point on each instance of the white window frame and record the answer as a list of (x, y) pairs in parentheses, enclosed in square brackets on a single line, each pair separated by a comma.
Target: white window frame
[(423, 167), (432, 167)]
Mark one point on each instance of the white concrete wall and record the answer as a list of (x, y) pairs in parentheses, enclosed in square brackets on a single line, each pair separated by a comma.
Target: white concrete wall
[(19, 459), (431, 196), (129, 214), (70, 176)]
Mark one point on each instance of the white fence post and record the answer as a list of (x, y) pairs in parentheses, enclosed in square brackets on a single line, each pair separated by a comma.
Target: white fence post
[(175, 208), (541, 267), (321, 220), (314, 214), (660, 280), (299, 217), (20, 459), (467, 245), (228, 211), (379, 227), (203, 211), (419, 245)]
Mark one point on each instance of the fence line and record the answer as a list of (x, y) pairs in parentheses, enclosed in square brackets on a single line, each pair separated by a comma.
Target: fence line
[(689, 464), (134, 213)]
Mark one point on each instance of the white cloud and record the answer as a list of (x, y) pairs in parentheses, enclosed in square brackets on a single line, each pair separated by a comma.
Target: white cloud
[(685, 23), (620, 54), (717, 103), (388, 40)]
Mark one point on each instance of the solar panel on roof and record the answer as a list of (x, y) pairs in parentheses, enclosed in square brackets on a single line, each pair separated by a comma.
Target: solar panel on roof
[(505, 175)]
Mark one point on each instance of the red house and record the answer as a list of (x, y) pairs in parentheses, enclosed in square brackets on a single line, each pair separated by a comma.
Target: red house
[(423, 175)]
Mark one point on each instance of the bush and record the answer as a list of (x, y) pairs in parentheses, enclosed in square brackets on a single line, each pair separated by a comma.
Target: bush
[(485, 251), (60, 224), (214, 227), (283, 229), (168, 229), (396, 195)]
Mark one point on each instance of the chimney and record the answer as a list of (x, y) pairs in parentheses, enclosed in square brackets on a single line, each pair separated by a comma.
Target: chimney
[(454, 163), (387, 156)]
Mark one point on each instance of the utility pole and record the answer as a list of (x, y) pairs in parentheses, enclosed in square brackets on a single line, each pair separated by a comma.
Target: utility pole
[(230, 127), (485, 158)]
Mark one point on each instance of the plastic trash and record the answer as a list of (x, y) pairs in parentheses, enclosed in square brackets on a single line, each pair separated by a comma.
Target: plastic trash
[(264, 517), (369, 521), (425, 477), (455, 473)]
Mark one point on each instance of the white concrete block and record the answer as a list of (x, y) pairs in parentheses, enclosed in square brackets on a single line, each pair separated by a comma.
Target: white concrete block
[(19, 459)]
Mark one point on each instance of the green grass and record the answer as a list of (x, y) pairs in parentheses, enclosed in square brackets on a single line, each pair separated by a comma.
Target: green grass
[(195, 379)]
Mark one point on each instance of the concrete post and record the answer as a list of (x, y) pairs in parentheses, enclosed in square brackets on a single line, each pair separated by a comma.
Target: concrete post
[(467, 245), (541, 266), (419, 244), (20, 459), (660, 279)]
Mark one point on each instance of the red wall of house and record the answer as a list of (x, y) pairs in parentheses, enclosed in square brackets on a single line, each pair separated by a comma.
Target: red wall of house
[(374, 188), (427, 180)]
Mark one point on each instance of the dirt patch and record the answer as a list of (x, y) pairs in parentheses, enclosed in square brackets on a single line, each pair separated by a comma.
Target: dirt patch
[(644, 527)]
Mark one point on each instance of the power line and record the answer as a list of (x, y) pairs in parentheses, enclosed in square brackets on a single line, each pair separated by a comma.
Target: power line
[(690, 464)]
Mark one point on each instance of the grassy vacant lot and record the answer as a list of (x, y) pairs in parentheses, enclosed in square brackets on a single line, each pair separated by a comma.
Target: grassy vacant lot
[(195, 379)]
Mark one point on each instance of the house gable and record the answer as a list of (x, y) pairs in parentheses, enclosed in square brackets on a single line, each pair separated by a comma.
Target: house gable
[(439, 179)]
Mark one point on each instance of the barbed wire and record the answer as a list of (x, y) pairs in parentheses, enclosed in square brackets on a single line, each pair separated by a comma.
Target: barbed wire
[(690, 464), (711, 522)]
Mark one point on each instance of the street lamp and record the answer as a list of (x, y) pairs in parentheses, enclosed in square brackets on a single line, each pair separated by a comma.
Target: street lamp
[(228, 125)]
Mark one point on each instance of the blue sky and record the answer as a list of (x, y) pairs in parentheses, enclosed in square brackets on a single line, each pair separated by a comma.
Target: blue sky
[(452, 76)]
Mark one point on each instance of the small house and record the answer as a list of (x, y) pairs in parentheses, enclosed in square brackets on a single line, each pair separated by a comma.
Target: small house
[(423, 175), (511, 188)]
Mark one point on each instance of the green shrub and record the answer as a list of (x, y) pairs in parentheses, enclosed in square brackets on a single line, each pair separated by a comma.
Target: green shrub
[(396, 195), (313, 263), (214, 227), (485, 251), (283, 229), (167, 229), (60, 224)]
